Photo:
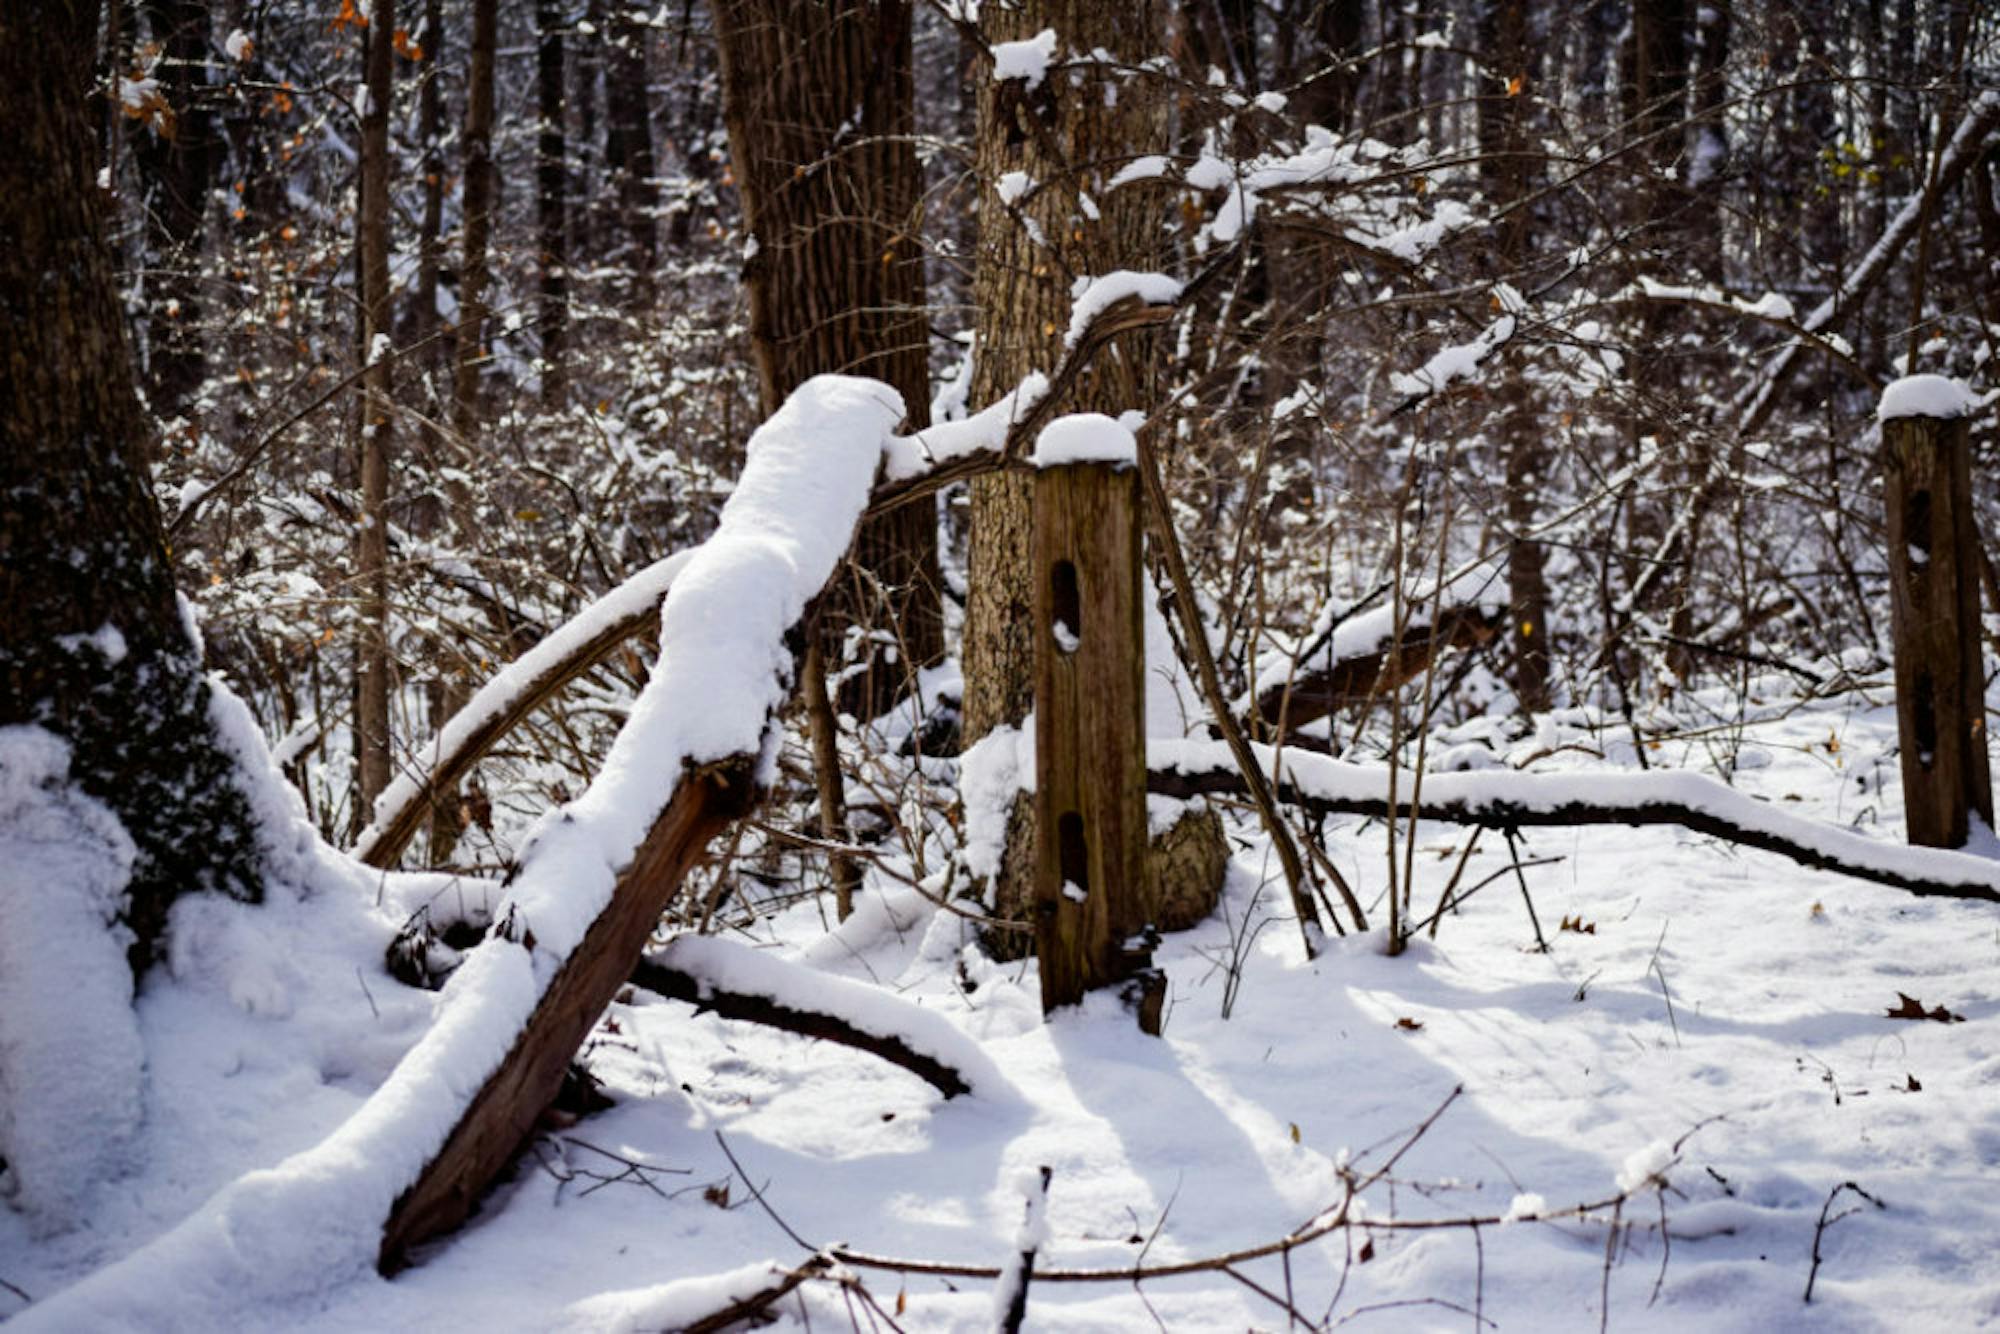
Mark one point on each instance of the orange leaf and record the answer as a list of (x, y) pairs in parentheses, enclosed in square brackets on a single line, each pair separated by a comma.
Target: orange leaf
[(1514, 85)]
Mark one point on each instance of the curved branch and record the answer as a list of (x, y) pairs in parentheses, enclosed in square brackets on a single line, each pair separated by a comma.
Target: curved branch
[(500, 705), (747, 985)]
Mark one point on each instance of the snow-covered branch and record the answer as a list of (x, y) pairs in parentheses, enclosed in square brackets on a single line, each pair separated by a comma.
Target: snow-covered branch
[(1512, 800), (738, 982)]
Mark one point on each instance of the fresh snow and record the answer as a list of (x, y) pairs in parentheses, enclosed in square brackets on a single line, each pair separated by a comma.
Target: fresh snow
[(1927, 396), (1085, 437), (1091, 296), (1777, 1077), (71, 1062), (1027, 59)]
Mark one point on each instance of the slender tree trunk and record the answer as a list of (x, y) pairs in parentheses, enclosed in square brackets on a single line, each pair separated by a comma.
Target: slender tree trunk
[(1505, 147), (178, 154), (820, 106), (552, 199), (93, 644), (424, 323), (374, 763), (628, 151), (478, 209)]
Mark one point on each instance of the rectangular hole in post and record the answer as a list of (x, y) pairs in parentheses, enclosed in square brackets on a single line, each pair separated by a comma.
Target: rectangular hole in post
[(1073, 856), (1917, 537), (1067, 602), (1924, 708)]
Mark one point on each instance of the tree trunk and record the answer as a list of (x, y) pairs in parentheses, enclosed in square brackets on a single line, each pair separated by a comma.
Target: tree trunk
[(177, 155), (819, 102), (93, 642), (552, 199), (374, 764), (1505, 148), (478, 210), (628, 151), (1067, 138)]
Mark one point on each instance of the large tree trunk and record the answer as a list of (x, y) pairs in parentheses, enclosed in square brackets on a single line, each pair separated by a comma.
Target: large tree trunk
[(819, 102), (1068, 137), (93, 643), (374, 764)]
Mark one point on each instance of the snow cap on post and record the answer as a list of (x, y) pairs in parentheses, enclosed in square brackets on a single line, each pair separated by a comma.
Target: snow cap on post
[(1086, 437), (1927, 396)]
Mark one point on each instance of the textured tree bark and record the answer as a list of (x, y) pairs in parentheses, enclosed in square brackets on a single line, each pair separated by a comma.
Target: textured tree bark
[(819, 101), (93, 644), (1066, 142), (552, 200), (1934, 603), (1067, 137), (372, 649)]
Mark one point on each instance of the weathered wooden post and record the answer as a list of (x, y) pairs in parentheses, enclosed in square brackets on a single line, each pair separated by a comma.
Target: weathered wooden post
[(1092, 904), (1934, 602)]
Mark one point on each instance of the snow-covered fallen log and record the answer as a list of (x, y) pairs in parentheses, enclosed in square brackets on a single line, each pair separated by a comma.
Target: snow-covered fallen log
[(590, 886), (1506, 799), (738, 982)]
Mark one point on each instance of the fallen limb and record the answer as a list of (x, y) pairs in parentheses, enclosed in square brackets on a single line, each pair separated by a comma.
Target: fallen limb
[(1506, 799), (737, 982), (1350, 673)]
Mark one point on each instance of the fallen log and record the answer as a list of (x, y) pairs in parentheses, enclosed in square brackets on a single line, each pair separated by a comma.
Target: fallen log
[(1511, 800)]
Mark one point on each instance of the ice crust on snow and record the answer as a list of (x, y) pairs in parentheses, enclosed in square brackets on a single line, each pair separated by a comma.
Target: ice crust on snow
[(1927, 396), (1085, 437), (71, 1063), (1089, 296), (1028, 59)]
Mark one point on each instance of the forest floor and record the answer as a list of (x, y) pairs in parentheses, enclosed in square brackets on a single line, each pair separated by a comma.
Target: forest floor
[(1719, 1023)]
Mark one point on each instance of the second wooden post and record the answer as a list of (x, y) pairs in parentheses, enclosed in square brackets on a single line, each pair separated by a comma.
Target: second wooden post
[(1092, 906), (1934, 600)]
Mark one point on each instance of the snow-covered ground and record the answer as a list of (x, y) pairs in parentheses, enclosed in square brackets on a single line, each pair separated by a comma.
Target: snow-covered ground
[(1722, 1013)]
